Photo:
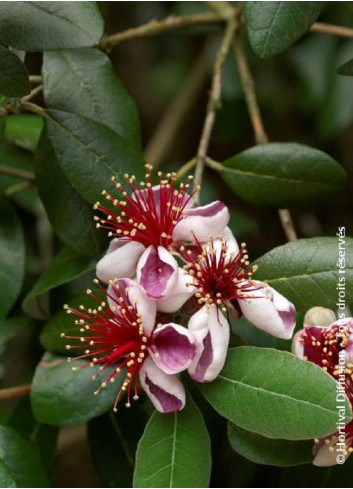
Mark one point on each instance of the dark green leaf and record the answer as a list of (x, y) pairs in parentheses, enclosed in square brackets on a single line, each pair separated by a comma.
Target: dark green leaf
[(66, 266), (6, 478), (346, 69), (90, 153), (284, 175), (24, 130), (11, 327), (91, 89), (262, 390), (261, 450), (306, 271), (12, 256), (273, 26), (62, 397), (113, 441), (39, 26), (14, 81), (61, 202), (174, 450), (21, 459)]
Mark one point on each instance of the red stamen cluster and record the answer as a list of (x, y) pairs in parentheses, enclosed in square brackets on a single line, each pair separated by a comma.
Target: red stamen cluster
[(111, 337), (220, 276), (322, 346), (138, 216)]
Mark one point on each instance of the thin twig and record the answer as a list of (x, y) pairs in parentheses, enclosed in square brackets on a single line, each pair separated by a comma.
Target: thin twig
[(36, 109), (257, 124), (335, 30), (32, 94), (214, 99), (158, 27), (15, 392), (35, 79), (18, 187), (188, 166), (176, 113), (16, 172)]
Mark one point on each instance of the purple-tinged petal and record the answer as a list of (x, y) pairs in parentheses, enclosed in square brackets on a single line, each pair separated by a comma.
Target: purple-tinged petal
[(346, 323), (157, 272), (297, 344), (173, 348), (202, 223), (165, 391), (182, 291), (271, 312), (120, 260), (145, 307), (211, 330), (325, 454)]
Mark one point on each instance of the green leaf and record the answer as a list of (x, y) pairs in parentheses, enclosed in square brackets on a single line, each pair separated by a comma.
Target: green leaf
[(284, 175), (12, 256), (113, 441), (66, 266), (39, 26), (24, 130), (306, 271), (174, 450), (6, 478), (62, 322), (266, 451), (90, 89), (90, 153), (14, 81), (61, 202), (274, 26), (346, 69), (21, 459), (62, 397), (262, 390), (11, 327)]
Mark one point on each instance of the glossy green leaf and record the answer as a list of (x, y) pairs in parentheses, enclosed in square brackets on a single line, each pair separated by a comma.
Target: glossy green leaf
[(61, 396), (39, 26), (273, 26), (174, 450), (62, 322), (61, 202), (12, 256), (113, 441), (66, 266), (262, 390), (21, 459), (306, 271), (267, 451), (90, 89), (346, 69), (14, 81), (24, 130), (90, 153), (284, 175), (11, 327)]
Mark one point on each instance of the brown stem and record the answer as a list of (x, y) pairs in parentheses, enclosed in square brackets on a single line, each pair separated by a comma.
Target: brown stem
[(257, 124), (35, 79), (158, 27), (15, 392), (335, 30), (214, 100), (177, 111), (32, 94), (16, 172)]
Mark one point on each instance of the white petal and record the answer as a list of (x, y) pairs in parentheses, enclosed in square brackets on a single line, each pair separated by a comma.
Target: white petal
[(165, 391), (326, 454), (319, 316), (211, 330), (271, 312), (297, 346), (202, 223), (182, 291), (120, 261)]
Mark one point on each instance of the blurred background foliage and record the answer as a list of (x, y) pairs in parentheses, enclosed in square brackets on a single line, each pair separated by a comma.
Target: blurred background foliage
[(302, 99)]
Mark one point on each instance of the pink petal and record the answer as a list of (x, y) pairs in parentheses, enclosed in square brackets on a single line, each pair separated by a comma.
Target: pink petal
[(120, 260), (137, 297), (173, 348), (182, 291), (211, 330), (202, 223), (272, 313), (165, 391), (157, 272), (347, 322)]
